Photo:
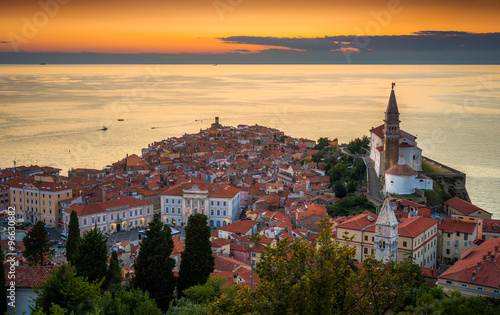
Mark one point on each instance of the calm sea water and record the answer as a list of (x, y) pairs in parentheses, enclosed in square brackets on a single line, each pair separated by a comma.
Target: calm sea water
[(51, 115)]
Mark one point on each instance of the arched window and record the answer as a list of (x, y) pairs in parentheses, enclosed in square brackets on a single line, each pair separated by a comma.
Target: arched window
[(224, 223), (218, 223), (211, 222)]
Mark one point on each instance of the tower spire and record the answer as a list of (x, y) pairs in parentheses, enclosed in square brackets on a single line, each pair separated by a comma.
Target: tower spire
[(391, 131), (386, 234)]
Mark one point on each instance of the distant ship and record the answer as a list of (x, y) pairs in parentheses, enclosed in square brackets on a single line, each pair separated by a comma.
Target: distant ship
[(153, 127), (42, 63), (104, 128), (121, 119)]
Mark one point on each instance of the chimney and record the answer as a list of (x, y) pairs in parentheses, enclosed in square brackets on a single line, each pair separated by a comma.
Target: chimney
[(479, 265), (103, 195), (235, 278), (496, 248), (484, 257), (473, 276), (492, 258)]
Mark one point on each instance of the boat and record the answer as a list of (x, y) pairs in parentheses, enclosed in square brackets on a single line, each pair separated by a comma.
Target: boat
[(104, 128), (42, 63), (153, 127), (121, 119)]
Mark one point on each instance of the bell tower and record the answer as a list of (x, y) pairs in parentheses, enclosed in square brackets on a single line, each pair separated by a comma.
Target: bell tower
[(386, 234), (391, 132)]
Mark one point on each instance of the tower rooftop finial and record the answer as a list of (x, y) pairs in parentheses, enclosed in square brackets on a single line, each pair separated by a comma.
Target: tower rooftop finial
[(393, 85)]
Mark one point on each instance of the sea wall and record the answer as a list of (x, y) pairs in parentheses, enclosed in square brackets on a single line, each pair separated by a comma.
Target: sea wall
[(452, 181)]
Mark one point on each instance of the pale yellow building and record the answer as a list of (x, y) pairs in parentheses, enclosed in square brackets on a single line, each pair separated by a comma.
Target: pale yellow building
[(476, 274), (37, 197), (457, 206), (454, 237), (417, 236)]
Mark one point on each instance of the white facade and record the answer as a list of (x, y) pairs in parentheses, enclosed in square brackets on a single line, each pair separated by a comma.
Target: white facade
[(401, 179), (178, 205), (386, 234)]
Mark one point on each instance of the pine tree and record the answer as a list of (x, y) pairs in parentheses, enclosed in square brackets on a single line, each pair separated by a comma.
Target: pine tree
[(92, 256), (197, 260), (37, 243), (3, 288), (153, 268), (73, 238)]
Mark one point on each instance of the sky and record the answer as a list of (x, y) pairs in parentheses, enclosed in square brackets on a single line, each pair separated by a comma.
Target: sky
[(250, 31)]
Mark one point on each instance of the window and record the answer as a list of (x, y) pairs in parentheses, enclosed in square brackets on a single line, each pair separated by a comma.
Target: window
[(465, 244), (166, 200), (224, 203), (211, 212), (179, 201), (218, 203), (458, 233), (111, 217), (404, 244), (225, 213), (140, 212), (147, 210), (496, 291), (136, 211), (449, 235), (218, 212), (464, 285), (456, 242), (366, 250), (98, 219), (466, 237), (93, 220), (84, 221), (118, 216), (480, 288), (166, 210), (366, 237), (178, 210), (130, 213), (448, 243), (211, 203), (447, 252), (456, 250), (448, 281)]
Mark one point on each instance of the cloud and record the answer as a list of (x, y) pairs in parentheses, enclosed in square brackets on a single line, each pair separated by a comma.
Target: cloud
[(5, 42), (424, 47)]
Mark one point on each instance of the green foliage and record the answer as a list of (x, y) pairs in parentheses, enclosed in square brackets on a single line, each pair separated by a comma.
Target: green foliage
[(37, 243), (359, 171), (323, 142), (3, 288), (187, 307), (92, 256), (124, 302), (73, 238), (114, 271), (435, 301), (351, 187), (339, 188), (298, 279), (356, 145), (206, 293), (197, 260), (67, 290), (351, 204), (153, 268), (338, 172)]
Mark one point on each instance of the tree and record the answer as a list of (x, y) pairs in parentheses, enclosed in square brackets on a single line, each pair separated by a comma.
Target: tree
[(73, 237), (92, 256), (134, 302), (153, 268), (339, 188), (67, 290), (114, 271), (37, 243), (296, 278), (3, 288), (338, 172), (197, 260), (198, 297), (323, 142)]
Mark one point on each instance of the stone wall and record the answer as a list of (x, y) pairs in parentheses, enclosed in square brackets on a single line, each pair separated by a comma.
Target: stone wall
[(453, 182)]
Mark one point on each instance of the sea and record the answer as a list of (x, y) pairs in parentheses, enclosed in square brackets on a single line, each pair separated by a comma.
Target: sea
[(54, 114)]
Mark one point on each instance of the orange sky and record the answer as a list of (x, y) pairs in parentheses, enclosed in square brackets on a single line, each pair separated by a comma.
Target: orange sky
[(193, 26)]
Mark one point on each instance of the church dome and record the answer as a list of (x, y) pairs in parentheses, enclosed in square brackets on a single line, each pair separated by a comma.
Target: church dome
[(401, 169)]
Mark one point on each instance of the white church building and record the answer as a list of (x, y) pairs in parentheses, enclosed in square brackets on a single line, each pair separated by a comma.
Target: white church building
[(397, 158)]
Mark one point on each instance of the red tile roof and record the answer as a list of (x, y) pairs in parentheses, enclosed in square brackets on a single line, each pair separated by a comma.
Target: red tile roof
[(29, 276), (452, 226), (462, 205), (401, 169), (489, 273), (414, 226), (242, 226)]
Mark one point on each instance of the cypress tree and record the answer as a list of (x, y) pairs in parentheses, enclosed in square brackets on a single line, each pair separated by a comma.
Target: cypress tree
[(153, 268), (114, 273), (73, 238), (92, 256), (37, 243), (197, 260)]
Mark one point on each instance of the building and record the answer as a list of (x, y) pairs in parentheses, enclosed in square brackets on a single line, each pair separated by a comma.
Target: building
[(388, 142), (416, 236), (87, 173), (402, 179), (476, 273), (461, 207), (120, 214), (219, 202), (37, 198), (454, 237), (491, 229)]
